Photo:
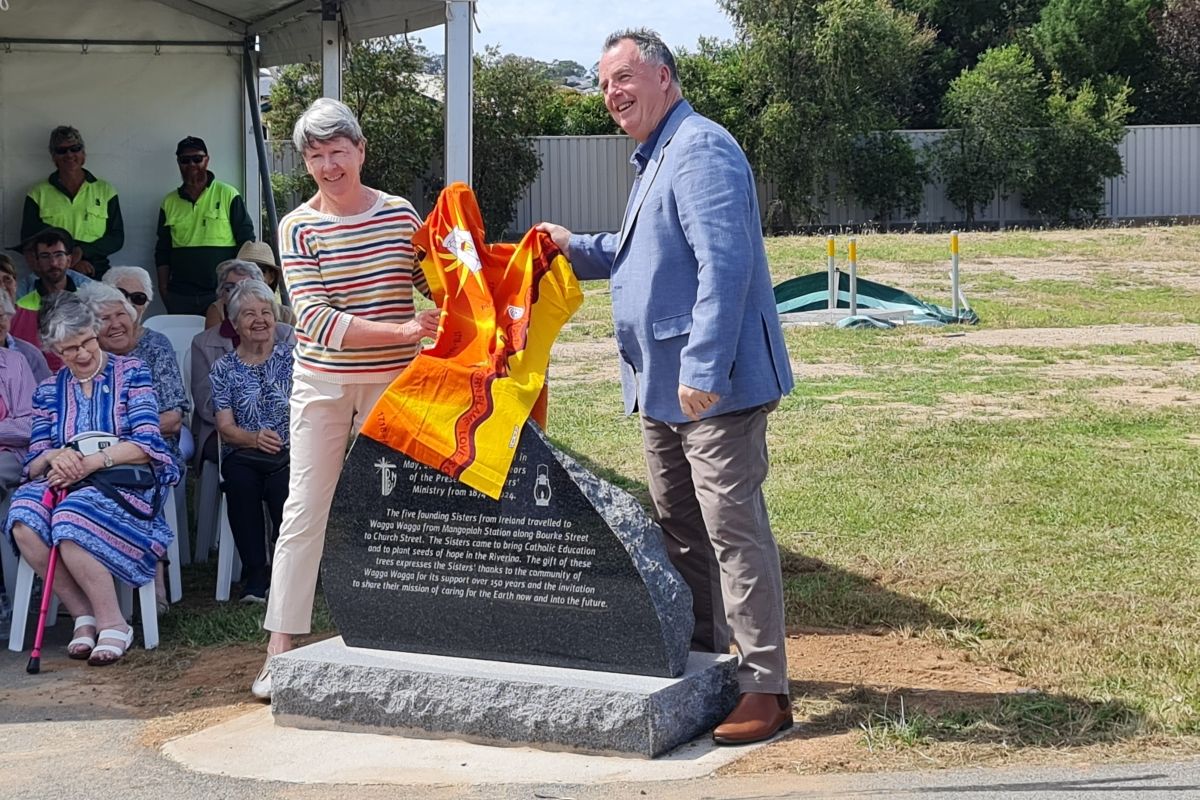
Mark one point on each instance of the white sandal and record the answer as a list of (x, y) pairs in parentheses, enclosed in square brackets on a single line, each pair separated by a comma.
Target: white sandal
[(89, 641), (126, 639)]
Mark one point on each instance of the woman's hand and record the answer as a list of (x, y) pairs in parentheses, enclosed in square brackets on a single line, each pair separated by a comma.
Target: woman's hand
[(67, 467), (268, 441), (423, 326)]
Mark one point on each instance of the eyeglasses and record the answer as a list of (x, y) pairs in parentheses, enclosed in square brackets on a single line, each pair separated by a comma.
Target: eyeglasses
[(70, 148), (191, 159), (137, 298), (227, 287), (57, 255), (74, 350)]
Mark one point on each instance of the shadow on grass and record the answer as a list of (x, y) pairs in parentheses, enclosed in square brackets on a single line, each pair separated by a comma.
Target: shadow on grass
[(902, 718)]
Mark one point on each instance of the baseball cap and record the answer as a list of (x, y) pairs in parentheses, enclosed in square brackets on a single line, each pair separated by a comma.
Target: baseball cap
[(191, 143)]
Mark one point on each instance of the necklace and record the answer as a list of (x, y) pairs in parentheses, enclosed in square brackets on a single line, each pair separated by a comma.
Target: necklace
[(99, 369)]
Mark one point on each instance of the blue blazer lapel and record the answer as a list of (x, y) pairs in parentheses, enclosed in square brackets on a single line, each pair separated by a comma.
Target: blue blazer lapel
[(651, 171)]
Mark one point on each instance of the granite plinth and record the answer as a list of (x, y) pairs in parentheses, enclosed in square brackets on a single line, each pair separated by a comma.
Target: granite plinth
[(563, 570), (328, 685)]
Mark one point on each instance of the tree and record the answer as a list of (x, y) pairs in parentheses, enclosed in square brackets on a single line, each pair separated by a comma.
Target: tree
[(403, 127), (509, 92), (1088, 39), (714, 82), (991, 111), (572, 113), (817, 76), (1076, 151), (965, 30), (886, 175)]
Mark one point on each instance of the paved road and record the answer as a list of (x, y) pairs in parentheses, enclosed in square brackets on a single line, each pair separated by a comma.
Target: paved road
[(64, 744)]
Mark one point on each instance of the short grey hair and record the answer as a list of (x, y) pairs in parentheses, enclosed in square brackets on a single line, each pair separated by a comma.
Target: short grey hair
[(249, 290), (63, 316), (138, 274), (236, 265), (324, 120), (99, 295), (650, 45), (6, 307), (63, 134)]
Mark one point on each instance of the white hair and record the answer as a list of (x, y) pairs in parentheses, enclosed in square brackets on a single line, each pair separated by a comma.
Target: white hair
[(138, 274), (241, 267), (250, 289), (100, 295), (324, 120), (65, 316)]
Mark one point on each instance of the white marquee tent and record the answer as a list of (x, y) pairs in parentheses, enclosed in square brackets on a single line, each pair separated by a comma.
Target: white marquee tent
[(135, 76)]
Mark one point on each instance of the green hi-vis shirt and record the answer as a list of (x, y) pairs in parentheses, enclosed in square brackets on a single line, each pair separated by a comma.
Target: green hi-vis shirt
[(92, 216), (194, 237)]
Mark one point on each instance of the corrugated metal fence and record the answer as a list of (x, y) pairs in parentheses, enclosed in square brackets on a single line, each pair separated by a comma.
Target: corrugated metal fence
[(585, 181)]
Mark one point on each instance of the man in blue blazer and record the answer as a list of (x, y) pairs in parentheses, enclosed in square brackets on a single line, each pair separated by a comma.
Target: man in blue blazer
[(702, 359)]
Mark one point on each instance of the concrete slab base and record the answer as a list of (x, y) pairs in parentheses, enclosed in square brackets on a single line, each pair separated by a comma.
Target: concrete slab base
[(330, 686), (253, 747)]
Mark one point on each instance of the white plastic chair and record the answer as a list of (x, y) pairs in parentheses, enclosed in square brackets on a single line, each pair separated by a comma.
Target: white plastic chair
[(179, 329), (23, 590)]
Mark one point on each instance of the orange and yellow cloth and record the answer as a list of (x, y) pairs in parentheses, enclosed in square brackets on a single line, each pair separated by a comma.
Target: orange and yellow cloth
[(460, 405)]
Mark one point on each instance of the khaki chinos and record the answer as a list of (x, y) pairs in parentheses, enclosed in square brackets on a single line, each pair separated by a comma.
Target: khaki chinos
[(706, 482), (324, 415)]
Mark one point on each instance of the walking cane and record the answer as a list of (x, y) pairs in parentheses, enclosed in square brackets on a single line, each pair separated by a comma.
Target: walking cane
[(50, 499)]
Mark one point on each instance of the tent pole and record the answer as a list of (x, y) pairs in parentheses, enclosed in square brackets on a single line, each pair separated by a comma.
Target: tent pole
[(271, 235)]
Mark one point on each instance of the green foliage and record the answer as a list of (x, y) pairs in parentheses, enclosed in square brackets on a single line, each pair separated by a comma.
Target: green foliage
[(714, 82), (1082, 39), (886, 175), (403, 127), (509, 93), (817, 76), (569, 113), (1076, 151), (991, 111), (560, 70)]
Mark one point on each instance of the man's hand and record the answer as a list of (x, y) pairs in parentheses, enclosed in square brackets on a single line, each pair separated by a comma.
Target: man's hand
[(694, 402), (423, 326), (84, 267), (560, 235)]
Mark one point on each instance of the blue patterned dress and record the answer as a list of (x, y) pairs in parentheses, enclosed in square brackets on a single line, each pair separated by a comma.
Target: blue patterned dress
[(258, 394), (155, 350), (123, 402)]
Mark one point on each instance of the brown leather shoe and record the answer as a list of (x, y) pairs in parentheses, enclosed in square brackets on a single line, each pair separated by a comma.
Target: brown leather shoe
[(756, 717)]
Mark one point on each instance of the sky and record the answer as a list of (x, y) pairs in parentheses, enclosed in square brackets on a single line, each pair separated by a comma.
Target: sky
[(575, 29)]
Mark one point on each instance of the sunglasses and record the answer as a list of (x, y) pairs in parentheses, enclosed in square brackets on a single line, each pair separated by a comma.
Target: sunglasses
[(137, 298), (70, 148), (191, 159)]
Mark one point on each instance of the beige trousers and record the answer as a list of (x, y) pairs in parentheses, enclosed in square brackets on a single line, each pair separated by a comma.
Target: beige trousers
[(706, 482), (324, 415)]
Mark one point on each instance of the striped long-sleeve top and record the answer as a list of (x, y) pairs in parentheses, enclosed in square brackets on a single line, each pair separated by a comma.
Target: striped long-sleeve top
[(342, 267)]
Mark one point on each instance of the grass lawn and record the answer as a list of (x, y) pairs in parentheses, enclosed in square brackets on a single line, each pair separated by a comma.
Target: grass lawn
[(1024, 491), (1034, 502)]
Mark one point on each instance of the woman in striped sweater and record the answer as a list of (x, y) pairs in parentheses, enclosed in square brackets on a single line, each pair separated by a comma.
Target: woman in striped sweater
[(350, 269)]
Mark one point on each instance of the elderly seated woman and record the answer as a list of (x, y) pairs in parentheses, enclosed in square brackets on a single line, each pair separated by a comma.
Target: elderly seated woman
[(212, 343), (103, 528), (251, 389), (16, 416), (119, 303), (252, 254)]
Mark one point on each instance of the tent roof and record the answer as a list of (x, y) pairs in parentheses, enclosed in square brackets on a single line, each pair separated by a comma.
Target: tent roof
[(289, 31)]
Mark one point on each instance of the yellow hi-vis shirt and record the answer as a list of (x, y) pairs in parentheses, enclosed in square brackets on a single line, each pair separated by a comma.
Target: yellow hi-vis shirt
[(459, 406), (84, 216), (204, 223)]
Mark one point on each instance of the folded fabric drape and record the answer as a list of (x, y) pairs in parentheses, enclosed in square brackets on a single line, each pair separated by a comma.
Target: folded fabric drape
[(460, 405)]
